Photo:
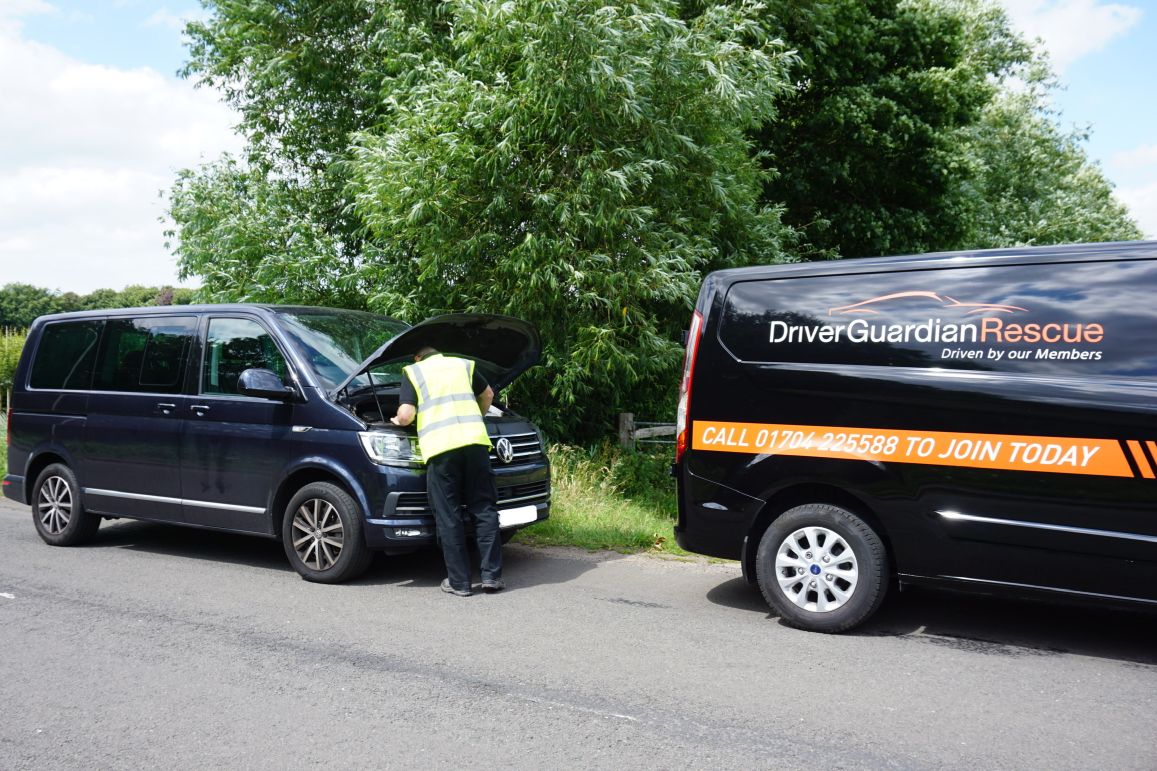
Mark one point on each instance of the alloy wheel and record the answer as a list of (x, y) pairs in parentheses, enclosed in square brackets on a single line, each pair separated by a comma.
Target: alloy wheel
[(54, 505), (318, 534)]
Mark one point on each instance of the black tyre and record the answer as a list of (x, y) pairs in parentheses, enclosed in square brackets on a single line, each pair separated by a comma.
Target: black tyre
[(57, 509), (822, 568), (506, 535), (322, 535)]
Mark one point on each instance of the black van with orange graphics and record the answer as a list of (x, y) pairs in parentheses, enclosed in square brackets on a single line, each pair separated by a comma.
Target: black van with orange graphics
[(976, 420)]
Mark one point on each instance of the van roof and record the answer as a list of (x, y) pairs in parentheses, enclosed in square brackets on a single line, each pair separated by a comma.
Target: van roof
[(1019, 255), (260, 308)]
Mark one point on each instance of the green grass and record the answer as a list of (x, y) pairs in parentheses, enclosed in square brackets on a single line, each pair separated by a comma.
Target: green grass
[(607, 498)]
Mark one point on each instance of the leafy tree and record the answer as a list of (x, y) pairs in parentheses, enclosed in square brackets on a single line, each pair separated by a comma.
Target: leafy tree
[(304, 76), (20, 304), (11, 344), (866, 145), (566, 161), (246, 236), (1034, 182), (922, 125), (580, 166)]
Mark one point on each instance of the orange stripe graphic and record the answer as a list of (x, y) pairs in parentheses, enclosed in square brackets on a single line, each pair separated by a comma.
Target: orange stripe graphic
[(1139, 456), (1048, 454)]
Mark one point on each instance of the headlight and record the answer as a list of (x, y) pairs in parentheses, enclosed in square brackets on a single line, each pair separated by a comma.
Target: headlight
[(391, 449)]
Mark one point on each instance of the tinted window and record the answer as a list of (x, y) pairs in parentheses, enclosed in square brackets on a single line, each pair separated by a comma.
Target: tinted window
[(233, 346), (1086, 318), (65, 355), (144, 355)]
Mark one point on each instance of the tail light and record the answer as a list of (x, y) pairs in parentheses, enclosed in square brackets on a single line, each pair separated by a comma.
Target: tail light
[(685, 385)]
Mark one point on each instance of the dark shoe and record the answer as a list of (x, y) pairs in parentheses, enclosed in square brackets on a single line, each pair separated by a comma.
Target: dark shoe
[(492, 585), (451, 590)]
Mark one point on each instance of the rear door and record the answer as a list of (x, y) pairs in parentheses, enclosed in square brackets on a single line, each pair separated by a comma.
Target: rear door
[(132, 435), (234, 447)]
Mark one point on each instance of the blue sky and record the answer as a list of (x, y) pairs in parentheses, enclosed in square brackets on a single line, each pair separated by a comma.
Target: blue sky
[(94, 124)]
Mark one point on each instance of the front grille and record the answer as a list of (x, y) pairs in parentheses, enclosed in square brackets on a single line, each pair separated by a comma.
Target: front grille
[(417, 504), (412, 504), (526, 447), (524, 493)]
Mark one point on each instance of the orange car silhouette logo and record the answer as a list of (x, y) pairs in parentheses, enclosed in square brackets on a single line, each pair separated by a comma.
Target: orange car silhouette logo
[(864, 307)]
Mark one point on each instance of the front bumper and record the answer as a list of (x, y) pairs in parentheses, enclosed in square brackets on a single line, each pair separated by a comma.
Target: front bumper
[(406, 522)]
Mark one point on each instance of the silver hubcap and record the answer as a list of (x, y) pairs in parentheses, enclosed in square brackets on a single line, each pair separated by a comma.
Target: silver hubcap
[(317, 534), (54, 505), (816, 569)]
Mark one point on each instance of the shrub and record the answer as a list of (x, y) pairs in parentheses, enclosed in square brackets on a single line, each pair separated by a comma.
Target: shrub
[(11, 344)]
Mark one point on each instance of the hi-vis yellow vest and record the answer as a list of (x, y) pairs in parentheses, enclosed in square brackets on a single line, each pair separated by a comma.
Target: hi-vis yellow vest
[(448, 415)]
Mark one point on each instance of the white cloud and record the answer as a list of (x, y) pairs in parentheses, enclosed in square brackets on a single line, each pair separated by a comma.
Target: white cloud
[(17, 8), (84, 152), (1142, 203), (1145, 155), (174, 21), (1071, 29)]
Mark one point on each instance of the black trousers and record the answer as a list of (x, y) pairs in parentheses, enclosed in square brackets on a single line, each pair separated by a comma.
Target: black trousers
[(462, 478)]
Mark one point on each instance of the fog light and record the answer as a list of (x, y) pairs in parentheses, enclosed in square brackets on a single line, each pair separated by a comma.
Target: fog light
[(405, 532)]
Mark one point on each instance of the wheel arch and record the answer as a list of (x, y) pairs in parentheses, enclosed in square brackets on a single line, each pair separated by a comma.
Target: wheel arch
[(797, 495), (42, 460), (305, 475)]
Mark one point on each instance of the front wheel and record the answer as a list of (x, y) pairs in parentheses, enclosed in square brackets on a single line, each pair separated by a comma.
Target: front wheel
[(322, 535), (57, 511), (822, 568)]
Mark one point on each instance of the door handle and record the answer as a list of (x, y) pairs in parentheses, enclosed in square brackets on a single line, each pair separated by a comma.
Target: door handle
[(166, 408), (200, 409)]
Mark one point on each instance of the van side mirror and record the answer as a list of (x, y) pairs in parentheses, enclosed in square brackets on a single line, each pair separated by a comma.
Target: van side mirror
[(265, 383)]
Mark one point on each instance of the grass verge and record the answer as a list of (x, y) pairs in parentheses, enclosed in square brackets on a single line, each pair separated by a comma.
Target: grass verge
[(606, 498)]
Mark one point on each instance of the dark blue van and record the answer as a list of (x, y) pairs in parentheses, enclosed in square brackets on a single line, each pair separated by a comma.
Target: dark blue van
[(258, 419)]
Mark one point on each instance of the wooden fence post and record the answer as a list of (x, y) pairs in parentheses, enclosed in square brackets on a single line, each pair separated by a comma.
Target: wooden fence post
[(627, 429)]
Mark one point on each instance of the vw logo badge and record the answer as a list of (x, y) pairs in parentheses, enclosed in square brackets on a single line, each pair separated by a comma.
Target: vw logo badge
[(504, 451)]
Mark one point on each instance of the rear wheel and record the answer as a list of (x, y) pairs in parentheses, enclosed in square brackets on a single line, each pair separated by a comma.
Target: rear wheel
[(323, 535), (57, 511), (822, 568)]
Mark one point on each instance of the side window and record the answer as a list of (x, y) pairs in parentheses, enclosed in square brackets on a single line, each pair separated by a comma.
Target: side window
[(65, 355), (233, 346), (145, 355)]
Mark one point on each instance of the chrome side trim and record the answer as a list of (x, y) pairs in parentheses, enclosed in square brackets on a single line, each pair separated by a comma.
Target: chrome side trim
[(177, 501), (225, 506), (957, 516), (1051, 589)]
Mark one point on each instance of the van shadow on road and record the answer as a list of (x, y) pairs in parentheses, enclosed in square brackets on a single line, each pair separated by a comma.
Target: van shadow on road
[(522, 566), (989, 625)]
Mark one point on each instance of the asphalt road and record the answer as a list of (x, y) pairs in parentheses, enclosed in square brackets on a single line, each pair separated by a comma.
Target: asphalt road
[(159, 646)]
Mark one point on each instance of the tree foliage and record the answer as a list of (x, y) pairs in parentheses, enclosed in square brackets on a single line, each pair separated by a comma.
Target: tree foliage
[(570, 162), (923, 125), (865, 144), (20, 304), (582, 164), (1034, 184)]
